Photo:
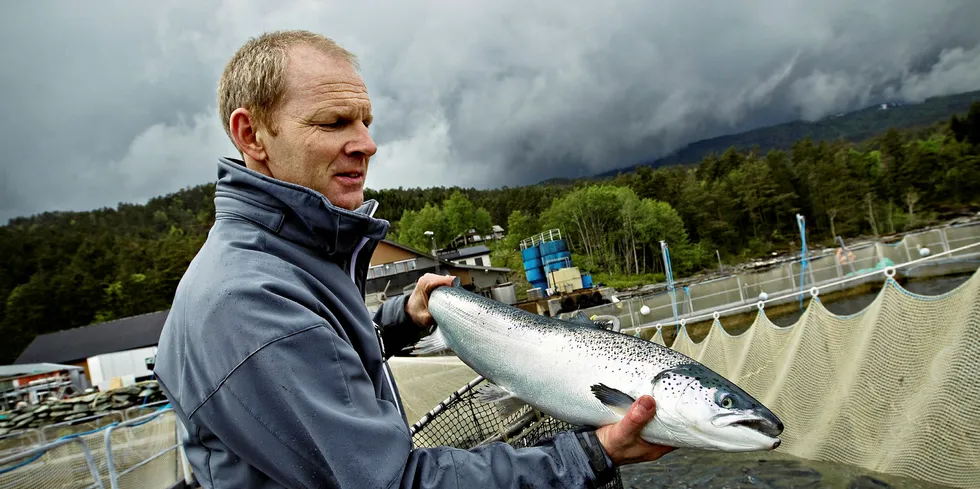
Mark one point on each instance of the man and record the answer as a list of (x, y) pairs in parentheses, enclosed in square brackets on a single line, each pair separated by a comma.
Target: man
[(269, 355)]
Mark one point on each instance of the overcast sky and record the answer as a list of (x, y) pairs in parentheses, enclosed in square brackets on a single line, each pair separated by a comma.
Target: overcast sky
[(114, 101)]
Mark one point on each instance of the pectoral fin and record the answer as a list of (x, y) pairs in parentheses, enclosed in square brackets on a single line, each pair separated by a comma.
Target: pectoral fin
[(507, 402), (615, 399), (434, 343)]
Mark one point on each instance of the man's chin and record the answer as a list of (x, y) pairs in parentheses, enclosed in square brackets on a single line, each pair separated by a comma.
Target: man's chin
[(349, 201)]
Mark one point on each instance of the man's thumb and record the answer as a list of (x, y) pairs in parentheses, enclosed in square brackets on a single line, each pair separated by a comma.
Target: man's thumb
[(640, 413)]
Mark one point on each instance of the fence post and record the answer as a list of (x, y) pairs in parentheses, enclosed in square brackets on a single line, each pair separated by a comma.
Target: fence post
[(109, 462), (741, 293), (942, 234), (184, 463)]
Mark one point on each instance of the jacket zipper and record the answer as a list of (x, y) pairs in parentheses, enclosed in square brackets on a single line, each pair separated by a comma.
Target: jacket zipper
[(377, 332)]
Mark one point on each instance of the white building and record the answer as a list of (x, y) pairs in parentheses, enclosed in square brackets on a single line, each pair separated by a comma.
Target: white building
[(113, 354)]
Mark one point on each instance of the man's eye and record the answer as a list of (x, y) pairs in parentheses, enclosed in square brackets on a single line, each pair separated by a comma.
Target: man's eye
[(334, 125)]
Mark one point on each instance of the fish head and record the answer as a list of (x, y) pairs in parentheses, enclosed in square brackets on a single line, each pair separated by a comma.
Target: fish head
[(700, 408)]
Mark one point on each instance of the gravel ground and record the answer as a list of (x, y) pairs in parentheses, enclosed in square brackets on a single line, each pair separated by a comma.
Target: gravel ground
[(694, 469)]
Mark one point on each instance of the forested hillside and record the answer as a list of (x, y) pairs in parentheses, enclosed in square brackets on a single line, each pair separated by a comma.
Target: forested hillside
[(68, 269), (853, 126)]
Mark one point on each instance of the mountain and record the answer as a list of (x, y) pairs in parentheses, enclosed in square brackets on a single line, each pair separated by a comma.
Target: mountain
[(853, 126)]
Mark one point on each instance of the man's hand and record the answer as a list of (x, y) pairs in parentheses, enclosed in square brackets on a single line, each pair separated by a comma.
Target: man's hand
[(622, 440), (417, 305)]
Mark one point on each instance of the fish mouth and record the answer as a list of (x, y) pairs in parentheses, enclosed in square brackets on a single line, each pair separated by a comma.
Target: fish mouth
[(767, 425)]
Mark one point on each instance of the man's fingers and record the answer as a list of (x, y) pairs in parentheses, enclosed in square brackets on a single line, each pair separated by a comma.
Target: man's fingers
[(640, 413)]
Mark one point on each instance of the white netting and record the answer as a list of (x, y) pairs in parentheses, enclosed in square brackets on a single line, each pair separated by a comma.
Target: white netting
[(63, 466), (893, 389), (84, 425), (145, 453), (20, 441)]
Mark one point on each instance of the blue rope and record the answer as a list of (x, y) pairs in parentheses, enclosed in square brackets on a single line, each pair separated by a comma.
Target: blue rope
[(78, 435), (30, 460), (804, 263), (153, 376), (670, 278), (66, 437)]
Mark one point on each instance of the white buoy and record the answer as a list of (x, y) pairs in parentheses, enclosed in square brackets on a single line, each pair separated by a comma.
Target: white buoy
[(645, 310), (924, 252), (763, 296)]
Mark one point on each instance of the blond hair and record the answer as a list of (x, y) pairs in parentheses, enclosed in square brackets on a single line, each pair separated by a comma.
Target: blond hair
[(255, 77)]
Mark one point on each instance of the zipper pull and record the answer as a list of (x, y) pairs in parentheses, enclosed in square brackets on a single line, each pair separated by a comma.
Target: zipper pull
[(381, 343)]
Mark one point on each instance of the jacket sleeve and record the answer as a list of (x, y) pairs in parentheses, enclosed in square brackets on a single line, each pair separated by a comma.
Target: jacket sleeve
[(303, 410), (397, 328)]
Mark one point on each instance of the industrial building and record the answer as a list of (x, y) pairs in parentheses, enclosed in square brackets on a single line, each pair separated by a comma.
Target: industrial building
[(33, 382), (473, 255), (116, 353), (112, 354), (557, 286), (395, 268)]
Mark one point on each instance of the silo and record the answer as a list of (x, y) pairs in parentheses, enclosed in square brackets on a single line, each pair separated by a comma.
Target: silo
[(532, 267)]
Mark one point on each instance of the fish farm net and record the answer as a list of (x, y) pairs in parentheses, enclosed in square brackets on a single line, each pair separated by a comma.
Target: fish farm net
[(892, 389), (460, 421)]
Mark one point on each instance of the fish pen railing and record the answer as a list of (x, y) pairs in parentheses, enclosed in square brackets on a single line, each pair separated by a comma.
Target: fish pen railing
[(19, 441), (830, 270), (64, 463), (80, 425), (460, 421), (144, 452)]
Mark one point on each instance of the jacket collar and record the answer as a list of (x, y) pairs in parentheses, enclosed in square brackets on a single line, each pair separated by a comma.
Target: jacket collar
[(296, 213)]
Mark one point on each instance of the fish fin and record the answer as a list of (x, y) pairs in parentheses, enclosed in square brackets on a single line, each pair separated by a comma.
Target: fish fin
[(581, 318), (457, 282), (598, 322), (614, 399), (492, 393), (508, 407), (507, 402), (434, 343)]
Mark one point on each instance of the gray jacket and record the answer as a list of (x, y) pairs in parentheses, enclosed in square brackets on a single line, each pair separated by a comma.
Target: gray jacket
[(273, 363)]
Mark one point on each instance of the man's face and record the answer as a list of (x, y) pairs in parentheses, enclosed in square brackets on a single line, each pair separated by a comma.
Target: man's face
[(323, 141)]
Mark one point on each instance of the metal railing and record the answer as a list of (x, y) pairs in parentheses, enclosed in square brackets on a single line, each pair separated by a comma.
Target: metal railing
[(80, 425), (53, 464), (147, 451), (144, 452), (549, 235), (19, 441), (913, 254), (888, 272)]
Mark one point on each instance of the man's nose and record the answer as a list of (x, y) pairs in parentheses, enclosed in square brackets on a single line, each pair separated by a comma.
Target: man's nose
[(362, 143)]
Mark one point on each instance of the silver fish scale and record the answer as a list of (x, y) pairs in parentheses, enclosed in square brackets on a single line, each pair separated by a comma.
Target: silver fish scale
[(530, 355)]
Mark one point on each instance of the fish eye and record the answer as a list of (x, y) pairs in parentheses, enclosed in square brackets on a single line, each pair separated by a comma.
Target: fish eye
[(726, 401)]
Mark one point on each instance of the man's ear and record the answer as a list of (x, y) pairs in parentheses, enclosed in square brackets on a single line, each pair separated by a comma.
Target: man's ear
[(245, 132)]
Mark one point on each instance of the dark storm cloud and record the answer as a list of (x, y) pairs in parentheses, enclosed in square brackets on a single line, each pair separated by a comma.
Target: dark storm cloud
[(114, 102)]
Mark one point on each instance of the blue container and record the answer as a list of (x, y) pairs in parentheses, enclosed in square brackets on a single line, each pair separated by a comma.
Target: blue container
[(586, 281), (563, 257), (530, 253), (540, 284), (535, 275), (532, 263), (554, 266), (552, 247)]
